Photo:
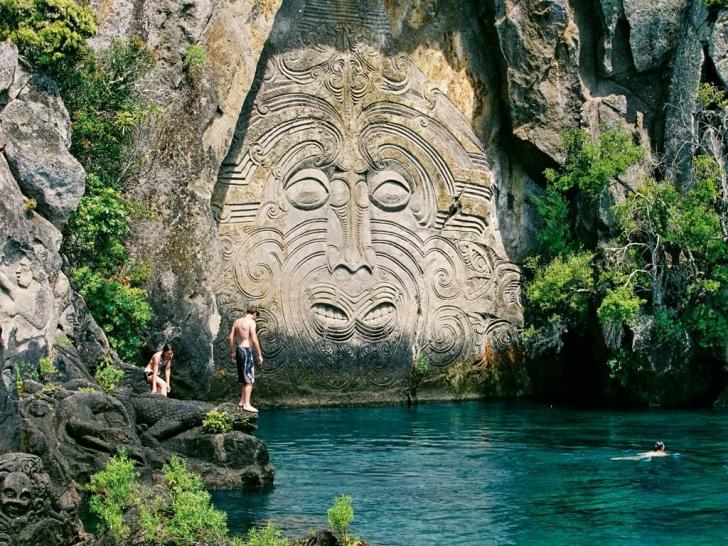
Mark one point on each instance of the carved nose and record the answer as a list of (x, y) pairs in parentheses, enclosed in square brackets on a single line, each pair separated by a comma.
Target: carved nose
[(350, 246)]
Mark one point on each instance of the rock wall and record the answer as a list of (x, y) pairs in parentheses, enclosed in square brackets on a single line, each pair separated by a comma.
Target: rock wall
[(41, 184), (447, 110), (245, 147)]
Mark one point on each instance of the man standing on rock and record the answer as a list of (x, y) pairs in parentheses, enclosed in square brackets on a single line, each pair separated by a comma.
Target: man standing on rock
[(242, 341)]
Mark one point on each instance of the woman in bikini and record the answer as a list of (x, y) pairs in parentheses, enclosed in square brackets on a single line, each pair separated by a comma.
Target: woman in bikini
[(160, 363)]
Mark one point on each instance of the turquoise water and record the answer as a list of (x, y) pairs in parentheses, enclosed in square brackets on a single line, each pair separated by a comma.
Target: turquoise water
[(477, 474)]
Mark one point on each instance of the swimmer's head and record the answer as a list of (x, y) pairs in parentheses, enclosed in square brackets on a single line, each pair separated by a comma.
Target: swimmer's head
[(659, 446)]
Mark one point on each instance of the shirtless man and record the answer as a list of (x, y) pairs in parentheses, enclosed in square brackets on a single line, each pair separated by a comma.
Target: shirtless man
[(242, 341)]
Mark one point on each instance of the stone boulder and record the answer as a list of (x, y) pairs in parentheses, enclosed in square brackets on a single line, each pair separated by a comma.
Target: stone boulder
[(539, 40), (654, 26), (75, 427), (35, 136), (718, 46)]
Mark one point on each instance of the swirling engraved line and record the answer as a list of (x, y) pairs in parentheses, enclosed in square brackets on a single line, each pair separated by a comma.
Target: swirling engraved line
[(412, 137), (473, 157), (426, 215), (449, 333)]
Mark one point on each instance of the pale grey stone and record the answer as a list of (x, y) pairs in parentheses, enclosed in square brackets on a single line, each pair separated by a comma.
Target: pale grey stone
[(355, 206), (8, 64), (719, 46), (539, 40), (35, 128), (654, 28)]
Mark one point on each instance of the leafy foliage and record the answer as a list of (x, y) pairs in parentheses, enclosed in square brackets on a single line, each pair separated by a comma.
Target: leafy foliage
[(562, 288), (108, 375), (195, 58), (340, 516), (665, 259), (593, 163), (113, 492), (217, 421), (269, 535), (107, 107), (182, 514), (47, 367), (47, 31), (723, 4)]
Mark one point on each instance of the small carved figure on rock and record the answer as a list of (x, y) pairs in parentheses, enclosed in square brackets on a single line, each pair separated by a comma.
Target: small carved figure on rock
[(243, 338), (26, 512)]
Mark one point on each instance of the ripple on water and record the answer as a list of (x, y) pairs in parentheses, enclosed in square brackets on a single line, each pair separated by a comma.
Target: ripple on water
[(481, 474)]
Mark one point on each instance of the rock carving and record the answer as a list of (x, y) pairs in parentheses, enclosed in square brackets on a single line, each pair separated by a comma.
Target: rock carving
[(355, 207)]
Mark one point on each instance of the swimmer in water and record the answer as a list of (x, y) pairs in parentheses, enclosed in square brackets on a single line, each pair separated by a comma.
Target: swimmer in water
[(658, 450)]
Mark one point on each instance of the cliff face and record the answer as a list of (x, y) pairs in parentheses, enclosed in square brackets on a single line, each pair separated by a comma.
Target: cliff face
[(245, 147), (362, 169)]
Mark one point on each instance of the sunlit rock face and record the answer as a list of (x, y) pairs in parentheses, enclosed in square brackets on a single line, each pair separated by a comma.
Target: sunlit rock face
[(355, 207)]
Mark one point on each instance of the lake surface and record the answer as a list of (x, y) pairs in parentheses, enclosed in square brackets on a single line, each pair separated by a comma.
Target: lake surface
[(477, 474)]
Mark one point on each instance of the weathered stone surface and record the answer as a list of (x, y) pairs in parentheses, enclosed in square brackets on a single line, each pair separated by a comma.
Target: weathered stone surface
[(30, 512), (539, 40), (654, 27), (35, 129), (718, 46), (355, 207), (8, 64), (680, 130), (75, 430), (612, 13), (189, 143)]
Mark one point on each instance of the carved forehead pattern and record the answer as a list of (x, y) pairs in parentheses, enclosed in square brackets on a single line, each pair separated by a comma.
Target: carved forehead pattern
[(354, 205)]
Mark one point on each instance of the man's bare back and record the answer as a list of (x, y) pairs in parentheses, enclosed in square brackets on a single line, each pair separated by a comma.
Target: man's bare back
[(243, 339), (242, 329)]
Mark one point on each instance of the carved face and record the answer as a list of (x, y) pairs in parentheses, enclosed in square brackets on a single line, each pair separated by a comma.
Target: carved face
[(17, 495), (355, 209), (24, 273)]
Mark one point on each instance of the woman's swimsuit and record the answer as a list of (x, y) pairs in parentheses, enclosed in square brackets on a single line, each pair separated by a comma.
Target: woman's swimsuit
[(160, 368)]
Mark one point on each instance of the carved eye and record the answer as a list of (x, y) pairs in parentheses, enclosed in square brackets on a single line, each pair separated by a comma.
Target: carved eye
[(391, 191), (306, 190)]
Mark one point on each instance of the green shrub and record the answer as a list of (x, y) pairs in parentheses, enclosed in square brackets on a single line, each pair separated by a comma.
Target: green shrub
[(722, 4), (23, 371), (195, 57), (562, 288), (47, 367), (87, 390), (217, 421), (108, 375), (593, 163), (183, 516), (269, 535), (188, 518), (47, 31), (711, 96), (340, 516), (114, 491), (422, 365), (122, 310), (107, 108)]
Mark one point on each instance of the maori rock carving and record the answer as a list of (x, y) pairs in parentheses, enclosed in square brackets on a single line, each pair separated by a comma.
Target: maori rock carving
[(26, 512), (355, 207)]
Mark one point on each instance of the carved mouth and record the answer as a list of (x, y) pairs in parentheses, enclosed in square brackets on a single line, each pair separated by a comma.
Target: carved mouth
[(15, 510), (379, 316), (329, 315)]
